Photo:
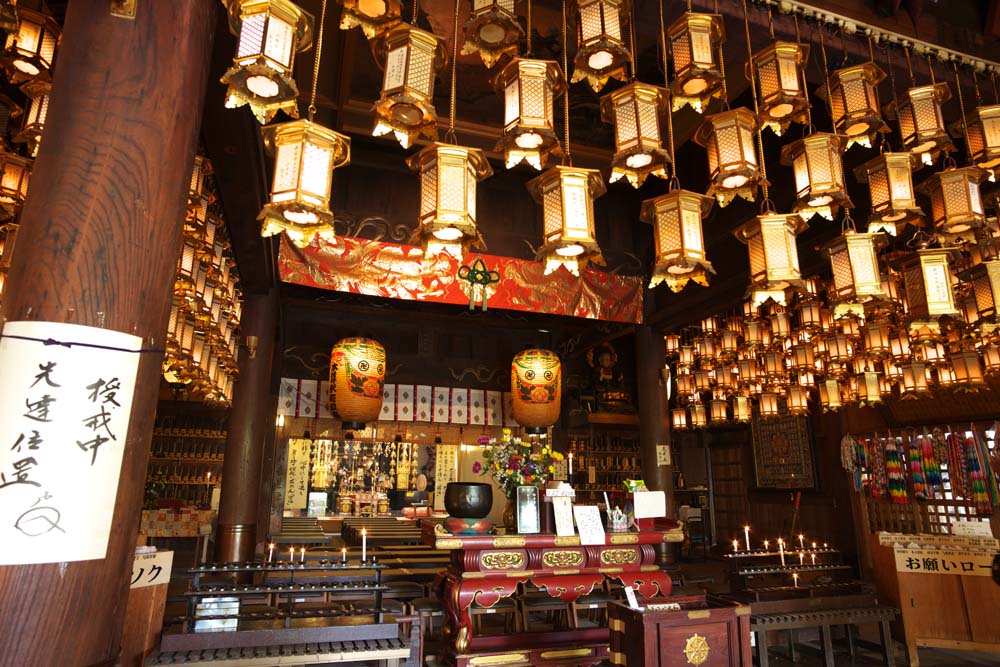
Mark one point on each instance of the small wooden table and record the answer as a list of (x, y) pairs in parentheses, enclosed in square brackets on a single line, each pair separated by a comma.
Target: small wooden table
[(485, 569)]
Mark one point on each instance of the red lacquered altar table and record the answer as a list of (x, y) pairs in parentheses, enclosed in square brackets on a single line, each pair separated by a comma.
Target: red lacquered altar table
[(486, 568)]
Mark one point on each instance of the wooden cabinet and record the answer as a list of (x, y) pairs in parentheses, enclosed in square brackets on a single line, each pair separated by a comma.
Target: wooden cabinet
[(703, 632)]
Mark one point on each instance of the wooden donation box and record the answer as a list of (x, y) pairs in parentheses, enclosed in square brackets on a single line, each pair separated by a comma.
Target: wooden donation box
[(486, 569), (689, 630), (943, 585)]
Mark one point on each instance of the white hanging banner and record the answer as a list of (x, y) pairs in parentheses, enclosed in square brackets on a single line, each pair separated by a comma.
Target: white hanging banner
[(297, 474), (65, 397)]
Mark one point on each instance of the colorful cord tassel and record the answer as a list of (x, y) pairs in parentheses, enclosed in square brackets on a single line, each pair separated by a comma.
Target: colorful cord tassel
[(895, 472), (977, 480), (916, 458), (932, 470)]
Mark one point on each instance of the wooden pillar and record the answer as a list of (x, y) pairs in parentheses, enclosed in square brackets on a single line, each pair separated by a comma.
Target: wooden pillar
[(653, 430), (251, 423), (98, 246)]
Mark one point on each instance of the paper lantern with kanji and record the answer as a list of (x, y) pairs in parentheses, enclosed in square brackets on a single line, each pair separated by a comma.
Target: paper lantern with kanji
[(890, 183), (728, 138), (567, 198), (928, 283), (635, 111), (956, 203), (601, 53), (695, 40), (774, 257), (819, 174), (529, 88), (357, 378), (779, 71), (921, 123), (492, 30), (373, 16), (677, 233), (854, 105), (536, 385)]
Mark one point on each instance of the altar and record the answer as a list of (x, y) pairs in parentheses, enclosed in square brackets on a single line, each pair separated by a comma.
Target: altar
[(485, 569)]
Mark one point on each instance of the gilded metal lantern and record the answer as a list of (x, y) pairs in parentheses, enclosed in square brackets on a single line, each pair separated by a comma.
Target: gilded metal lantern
[(679, 419), (890, 183), (357, 378), (536, 384), (797, 400), (492, 30), (15, 172), (852, 95), (732, 159), (983, 135), (774, 257), (984, 280), (921, 123), (855, 266), (677, 233), (704, 380), (373, 16), (695, 40), (685, 384), (819, 174), (448, 178), (30, 51), (33, 121), (635, 112), (991, 359), (769, 405), (269, 34), (803, 356), (968, 368), (742, 409), (876, 339), (411, 59), (686, 355), (779, 72), (201, 169), (306, 153), (914, 381), (567, 198), (757, 334), (601, 53), (956, 203), (927, 283), (698, 417), (529, 88), (831, 395), (718, 411), (868, 388), (672, 344)]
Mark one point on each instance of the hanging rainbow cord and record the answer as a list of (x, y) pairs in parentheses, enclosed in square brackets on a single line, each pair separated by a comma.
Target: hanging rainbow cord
[(895, 472), (878, 482), (984, 493), (916, 457), (957, 462)]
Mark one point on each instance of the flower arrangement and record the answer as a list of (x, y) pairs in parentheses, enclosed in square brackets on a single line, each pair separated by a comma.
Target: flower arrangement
[(514, 463)]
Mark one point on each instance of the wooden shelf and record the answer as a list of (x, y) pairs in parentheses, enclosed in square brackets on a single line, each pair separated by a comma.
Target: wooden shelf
[(188, 459), (216, 435)]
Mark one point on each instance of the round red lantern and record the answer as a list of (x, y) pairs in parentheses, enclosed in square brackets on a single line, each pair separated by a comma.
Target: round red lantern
[(536, 383), (357, 377)]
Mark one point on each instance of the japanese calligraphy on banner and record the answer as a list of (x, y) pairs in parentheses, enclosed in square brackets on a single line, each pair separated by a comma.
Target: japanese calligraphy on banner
[(297, 474), (446, 470), (152, 568), (968, 563), (64, 415)]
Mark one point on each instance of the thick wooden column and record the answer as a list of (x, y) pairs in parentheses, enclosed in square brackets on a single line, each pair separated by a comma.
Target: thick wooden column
[(98, 246), (653, 431), (251, 423)]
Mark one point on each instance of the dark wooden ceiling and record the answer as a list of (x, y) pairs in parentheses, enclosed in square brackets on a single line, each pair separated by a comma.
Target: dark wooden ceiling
[(378, 185)]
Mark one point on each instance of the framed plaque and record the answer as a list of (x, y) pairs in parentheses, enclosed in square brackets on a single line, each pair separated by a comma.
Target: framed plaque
[(528, 520)]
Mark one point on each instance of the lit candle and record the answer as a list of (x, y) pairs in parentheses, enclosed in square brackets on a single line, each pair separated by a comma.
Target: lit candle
[(571, 466), (291, 554), (814, 546), (270, 552), (802, 557), (746, 534), (364, 544), (781, 550), (795, 578), (801, 541), (814, 558), (766, 545), (343, 554), (824, 545), (302, 555), (736, 546)]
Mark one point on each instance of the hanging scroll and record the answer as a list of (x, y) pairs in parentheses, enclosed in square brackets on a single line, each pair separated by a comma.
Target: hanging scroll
[(297, 474)]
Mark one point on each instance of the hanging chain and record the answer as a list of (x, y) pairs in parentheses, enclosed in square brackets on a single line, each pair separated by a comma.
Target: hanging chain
[(892, 86), (527, 16), (766, 203), (961, 110), (670, 116), (770, 22), (631, 41), (316, 60), (567, 157), (826, 67), (416, 8), (909, 65), (722, 64), (930, 68), (454, 72), (795, 18), (975, 85), (993, 80)]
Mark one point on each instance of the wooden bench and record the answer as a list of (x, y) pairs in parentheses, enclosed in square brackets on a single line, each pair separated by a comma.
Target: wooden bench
[(823, 619)]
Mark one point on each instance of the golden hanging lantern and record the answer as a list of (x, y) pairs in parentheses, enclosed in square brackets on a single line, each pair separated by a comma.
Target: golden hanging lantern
[(200, 170), (927, 283), (983, 135), (890, 183), (819, 174), (803, 356), (798, 400), (695, 40), (492, 30), (677, 233), (411, 59), (679, 419), (831, 395), (718, 411), (984, 281), (921, 123), (373, 16), (779, 72), (852, 95), (269, 34), (635, 112), (30, 51), (742, 409), (33, 122), (774, 257), (686, 355), (698, 417), (536, 384), (15, 172), (769, 405), (732, 159), (357, 378), (686, 384), (448, 178), (567, 198), (868, 388), (529, 88), (956, 203), (991, 358), (306, 153), (914, 381), (968, 369), (876, 339), (672, 344), (601, 53), (855, 267)]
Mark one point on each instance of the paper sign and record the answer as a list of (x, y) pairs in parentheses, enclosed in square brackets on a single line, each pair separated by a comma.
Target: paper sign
[(663, 455), (323, 401), (64, 415), (630, 596), (297, 474), (288, 392), (944, 561), (562, 507), (649, 504), (307, 398), (477, 407), (445, 471), (404, 402), (588, 521), (425, 395), (591, 475), (971, 529), (151, 569), (388, 411), (442, 405), (560, 470)]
